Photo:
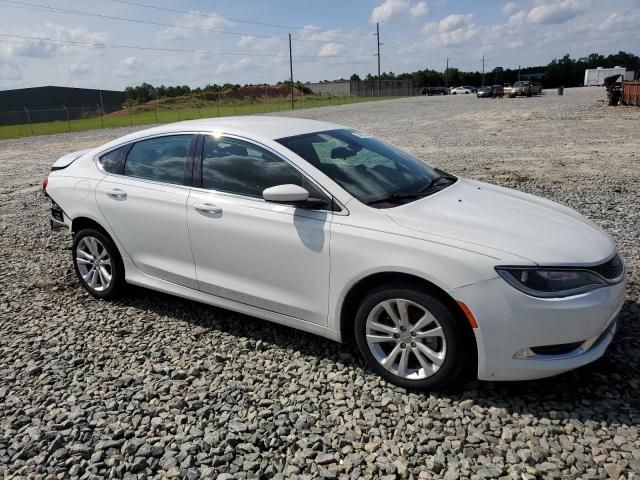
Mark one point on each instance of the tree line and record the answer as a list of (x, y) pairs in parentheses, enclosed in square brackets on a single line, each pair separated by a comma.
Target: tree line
[(146, 92), (565, 71)]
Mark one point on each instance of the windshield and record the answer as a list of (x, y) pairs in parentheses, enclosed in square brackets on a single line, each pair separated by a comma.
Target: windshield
[(374, 172)]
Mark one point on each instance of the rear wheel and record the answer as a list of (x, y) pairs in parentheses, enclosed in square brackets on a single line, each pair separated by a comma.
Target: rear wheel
[(97, 263), (410, 338)]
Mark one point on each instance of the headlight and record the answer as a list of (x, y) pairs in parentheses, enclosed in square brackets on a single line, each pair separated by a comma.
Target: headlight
[(551, 283)]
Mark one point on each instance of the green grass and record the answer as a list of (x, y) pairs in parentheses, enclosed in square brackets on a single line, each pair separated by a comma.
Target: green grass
[(168, 112)]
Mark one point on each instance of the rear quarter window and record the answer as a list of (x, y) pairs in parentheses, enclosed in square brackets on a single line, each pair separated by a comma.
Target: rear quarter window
[(111, 162)]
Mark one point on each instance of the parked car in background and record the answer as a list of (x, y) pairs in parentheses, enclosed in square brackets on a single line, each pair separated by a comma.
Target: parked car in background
[(536, 88), (460, 91), (473, 89), (332, 231), (485, 92), (523, 88), (434, 91)]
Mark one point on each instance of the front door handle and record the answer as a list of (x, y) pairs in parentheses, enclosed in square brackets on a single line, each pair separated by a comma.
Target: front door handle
[(117, 193), (207, 208)]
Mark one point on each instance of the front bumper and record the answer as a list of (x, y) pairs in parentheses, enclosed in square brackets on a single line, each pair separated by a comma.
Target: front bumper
[(519, 337)]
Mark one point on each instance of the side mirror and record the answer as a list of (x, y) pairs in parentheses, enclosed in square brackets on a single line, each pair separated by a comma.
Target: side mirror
[(288, 193)]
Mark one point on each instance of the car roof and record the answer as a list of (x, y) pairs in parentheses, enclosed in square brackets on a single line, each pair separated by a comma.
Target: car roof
[(258, 127)]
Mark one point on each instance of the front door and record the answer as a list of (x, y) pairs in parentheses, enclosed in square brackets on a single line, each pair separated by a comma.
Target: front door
[(262, 254)]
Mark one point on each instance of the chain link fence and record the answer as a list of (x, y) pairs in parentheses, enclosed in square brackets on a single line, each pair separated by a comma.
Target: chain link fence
[(26, 122)]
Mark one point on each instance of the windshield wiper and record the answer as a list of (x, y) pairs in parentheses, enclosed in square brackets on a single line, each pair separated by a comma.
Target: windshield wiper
[(423, 192), (397, 197), (436, 182)]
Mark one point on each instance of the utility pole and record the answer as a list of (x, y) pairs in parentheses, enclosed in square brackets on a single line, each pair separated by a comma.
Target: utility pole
[(483, 70), (291, 71), (101, 109), (446, 75), (378, 54), (518, 72)]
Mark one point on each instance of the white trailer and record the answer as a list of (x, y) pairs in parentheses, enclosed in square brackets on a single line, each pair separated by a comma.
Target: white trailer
[(596, 76)]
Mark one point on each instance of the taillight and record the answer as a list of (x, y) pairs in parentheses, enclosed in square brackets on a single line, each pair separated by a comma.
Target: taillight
[(45, 182)]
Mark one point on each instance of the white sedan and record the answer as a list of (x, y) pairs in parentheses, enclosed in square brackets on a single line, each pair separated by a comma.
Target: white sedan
[(332, 231), (460, 91)]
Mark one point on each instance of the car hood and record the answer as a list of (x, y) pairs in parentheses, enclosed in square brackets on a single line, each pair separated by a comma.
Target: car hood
[(505, 220)]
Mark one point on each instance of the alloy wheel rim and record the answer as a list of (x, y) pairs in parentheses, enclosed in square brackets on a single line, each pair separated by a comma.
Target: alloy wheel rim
[(406, 339), (94, 263)]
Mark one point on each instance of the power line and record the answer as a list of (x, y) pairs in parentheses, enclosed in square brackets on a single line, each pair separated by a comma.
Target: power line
[(238, 20), (159, 24), (54, 41)]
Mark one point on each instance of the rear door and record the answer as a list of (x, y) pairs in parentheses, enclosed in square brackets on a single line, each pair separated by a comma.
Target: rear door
[(144, 200)]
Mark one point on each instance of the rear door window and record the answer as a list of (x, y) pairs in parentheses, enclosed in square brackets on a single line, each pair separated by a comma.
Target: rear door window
[(163, 159)]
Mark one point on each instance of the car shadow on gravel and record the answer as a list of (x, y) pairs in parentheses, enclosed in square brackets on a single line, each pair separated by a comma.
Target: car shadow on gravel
[(607, 390)]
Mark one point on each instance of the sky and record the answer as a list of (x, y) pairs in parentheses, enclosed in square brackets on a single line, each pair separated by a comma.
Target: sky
[(200, 42)]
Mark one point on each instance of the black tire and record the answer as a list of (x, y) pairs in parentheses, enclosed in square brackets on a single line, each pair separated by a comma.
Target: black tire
[(457, 361), (116, 267)]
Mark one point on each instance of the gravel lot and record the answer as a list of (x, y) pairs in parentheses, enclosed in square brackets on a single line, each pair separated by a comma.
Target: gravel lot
[(152, 385)]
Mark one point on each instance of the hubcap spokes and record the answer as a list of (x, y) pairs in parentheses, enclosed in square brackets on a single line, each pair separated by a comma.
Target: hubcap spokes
[(406, 339), (94, 263)]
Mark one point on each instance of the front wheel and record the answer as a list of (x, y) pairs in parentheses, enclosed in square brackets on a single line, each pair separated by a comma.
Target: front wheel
[(410, 338)]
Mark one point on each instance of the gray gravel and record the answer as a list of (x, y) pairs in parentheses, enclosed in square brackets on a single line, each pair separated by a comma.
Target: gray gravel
[(152, 385)]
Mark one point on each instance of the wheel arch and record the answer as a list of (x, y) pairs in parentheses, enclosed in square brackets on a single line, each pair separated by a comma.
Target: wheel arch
[(81, 222), (357, 292)]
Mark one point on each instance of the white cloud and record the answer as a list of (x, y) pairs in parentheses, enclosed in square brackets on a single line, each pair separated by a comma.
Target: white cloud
[(456, 29), (58, 35), (555, 12), (190, 23), (517, 18), (9, 71), (420, 9), (329, 50), (389, 11), (267, 45), (509, 8), (241, 65), (128, 67), (620, 21), (80, 68), (131, 62), (454, 22)]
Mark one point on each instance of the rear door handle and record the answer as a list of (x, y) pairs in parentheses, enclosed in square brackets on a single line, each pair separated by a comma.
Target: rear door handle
[(207, 208), (117, 193)]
